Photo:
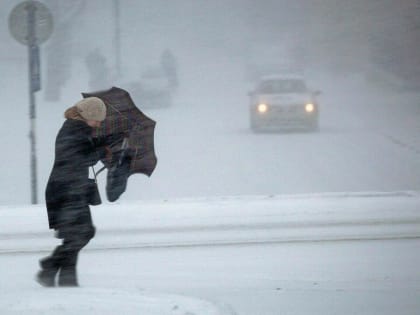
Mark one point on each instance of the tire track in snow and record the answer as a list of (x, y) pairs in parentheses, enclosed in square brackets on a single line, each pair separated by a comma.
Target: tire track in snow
[(288, 233)]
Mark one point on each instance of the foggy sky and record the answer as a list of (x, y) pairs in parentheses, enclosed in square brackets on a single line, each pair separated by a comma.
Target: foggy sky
[(337, 35)]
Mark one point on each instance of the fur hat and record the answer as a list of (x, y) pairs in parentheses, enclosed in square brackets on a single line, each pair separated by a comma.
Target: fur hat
[(91, 108)]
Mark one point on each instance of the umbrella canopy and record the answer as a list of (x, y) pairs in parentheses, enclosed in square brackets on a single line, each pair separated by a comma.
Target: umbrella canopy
[(130, 134), (124, 118)]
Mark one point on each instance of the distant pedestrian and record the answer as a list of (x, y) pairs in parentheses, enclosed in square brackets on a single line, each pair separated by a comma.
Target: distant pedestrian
[(67, 192)]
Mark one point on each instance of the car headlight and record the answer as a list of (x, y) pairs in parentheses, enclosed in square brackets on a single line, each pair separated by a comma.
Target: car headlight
[(262, 108), (309, 107)]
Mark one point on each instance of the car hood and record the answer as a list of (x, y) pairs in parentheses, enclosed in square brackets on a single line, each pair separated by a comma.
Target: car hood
[(283, 98)]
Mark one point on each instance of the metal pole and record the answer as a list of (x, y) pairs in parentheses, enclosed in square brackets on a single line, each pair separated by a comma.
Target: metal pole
[(117, 39), (32, 136), (33, 86)]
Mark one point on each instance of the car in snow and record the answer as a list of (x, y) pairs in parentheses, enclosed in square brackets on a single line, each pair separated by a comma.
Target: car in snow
[(280, 102), (152, 89)]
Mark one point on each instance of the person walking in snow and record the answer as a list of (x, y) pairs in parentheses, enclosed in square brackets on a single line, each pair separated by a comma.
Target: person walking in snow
[(67, 191)]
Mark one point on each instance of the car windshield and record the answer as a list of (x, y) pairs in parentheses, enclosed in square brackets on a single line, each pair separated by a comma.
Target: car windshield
[(282, 86)]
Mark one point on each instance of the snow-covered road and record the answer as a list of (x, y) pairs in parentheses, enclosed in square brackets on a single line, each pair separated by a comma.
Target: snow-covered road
[(347, 253), (368, 140), (229, 221), (366, 278)]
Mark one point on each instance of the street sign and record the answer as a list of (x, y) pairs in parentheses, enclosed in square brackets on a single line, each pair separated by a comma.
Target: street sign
[(19, 23)]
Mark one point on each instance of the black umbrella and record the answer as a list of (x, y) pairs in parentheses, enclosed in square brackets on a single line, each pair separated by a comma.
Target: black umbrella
[(130, 134)]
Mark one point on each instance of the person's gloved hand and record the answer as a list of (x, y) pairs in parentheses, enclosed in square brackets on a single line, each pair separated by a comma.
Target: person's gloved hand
[(114, 139), (108, 155)]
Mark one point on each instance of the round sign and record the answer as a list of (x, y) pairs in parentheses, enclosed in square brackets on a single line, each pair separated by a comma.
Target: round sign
[(19, 24)]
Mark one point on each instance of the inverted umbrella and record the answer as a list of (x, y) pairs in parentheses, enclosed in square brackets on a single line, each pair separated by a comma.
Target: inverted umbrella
[(130, 134)]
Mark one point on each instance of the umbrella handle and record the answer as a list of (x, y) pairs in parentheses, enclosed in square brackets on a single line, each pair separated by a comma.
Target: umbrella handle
[(124, 145)]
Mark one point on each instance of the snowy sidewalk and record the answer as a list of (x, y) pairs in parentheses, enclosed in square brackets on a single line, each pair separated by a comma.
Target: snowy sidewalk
[(227, 221)]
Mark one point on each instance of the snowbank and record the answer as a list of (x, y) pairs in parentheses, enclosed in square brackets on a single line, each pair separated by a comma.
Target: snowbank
[(227, 220)]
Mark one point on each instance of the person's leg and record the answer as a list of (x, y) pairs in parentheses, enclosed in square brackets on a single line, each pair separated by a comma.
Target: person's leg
[(64, 258), (51, 264), (81, 234), (49, 268), (67, 256)]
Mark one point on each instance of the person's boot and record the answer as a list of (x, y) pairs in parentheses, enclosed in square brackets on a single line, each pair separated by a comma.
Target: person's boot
[(68, 277), (49, 269)]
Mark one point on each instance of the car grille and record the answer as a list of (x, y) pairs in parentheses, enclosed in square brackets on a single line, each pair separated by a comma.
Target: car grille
[(292, 109)]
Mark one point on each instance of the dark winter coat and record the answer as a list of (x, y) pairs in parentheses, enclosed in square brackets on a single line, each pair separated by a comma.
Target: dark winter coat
[(66, 191)]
